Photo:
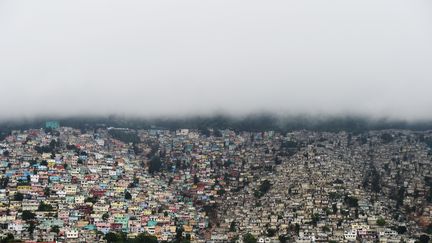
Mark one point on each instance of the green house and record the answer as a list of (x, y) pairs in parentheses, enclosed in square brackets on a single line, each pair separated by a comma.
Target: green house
[(52, 124)]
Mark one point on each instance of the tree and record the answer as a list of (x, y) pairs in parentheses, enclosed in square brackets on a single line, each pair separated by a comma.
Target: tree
[(6, 153), (125, 136), (400, 197), (144, 238), (137, 149), (351, 201), (31, 227), (334, 208), (326, 229), (263, 188), (429, 195), (217, 133), (206, 132), (155, 164), (53, 144), (136, 181), (297, 229), (111, 237), (4, 181), (47, 192), (376, 179), (315, 218), (44, 163), (179, 233), (221, 192), (27, 215), (92, 200), (429, 229), (44, 207), (284, 238), (424, 239), (105, 216), (249, 238), (401, 230), (196, 179), (387, 138), (338, 181), (381, 222), (55, 229), (271, 232), (234, 239), (233, 226), (9, 238), (71, 147), (128, 196), (43, 149), (18, 196)]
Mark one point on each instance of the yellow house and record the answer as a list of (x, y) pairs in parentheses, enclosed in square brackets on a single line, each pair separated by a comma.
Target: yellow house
[(14, 205), (81, 223), (100, 208), (134, 208), (187, 228), (119, 189), (173, 229), (3, 206), (7, 218), (70, 189), (24, 189), (117, 205), (51, 163)]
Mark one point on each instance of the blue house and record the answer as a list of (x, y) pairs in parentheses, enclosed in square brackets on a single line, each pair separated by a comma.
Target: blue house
[(54, 178)]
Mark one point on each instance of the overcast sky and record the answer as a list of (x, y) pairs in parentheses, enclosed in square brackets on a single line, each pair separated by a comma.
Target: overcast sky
[(185, 57)]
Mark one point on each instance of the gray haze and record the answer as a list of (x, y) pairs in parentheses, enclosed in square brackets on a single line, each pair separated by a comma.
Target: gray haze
[(147, 58)]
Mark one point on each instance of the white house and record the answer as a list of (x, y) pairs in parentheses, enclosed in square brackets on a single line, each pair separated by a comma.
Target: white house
[(16, 226), (350, 235), (72, 234)]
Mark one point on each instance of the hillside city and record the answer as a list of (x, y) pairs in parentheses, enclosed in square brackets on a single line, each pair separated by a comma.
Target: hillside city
[(106, 184)]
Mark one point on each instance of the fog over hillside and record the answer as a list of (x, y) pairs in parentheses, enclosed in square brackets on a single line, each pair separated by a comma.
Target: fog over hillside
[(185, 58)]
